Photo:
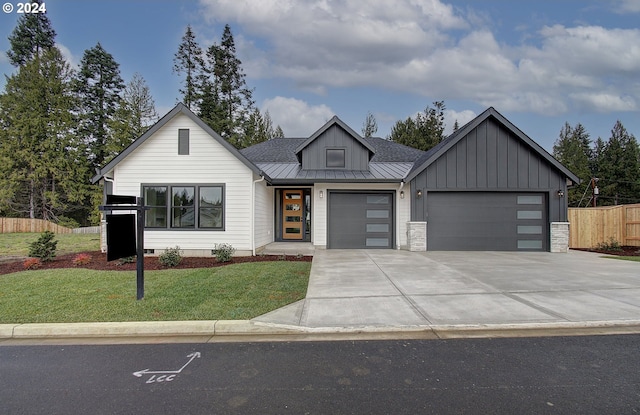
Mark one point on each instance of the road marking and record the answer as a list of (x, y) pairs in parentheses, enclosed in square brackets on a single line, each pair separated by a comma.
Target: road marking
[(166, 375)]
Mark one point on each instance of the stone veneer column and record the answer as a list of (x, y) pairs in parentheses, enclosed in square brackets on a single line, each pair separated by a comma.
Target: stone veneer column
[(560, 237), (417, 236)]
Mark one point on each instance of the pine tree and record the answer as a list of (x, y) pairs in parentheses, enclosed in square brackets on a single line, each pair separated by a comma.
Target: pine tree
[(425, 132), (370, 126), (226, 100), (278, 133), (32, 36), (42, 170), (188, 60), (573, 150), (619, 168), (136, 112), (98, 85)]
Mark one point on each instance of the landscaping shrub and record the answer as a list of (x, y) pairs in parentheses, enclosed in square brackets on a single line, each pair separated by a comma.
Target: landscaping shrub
[(81, 259), (44, 247), (171, 257), (127, 260), (223, 252), (32, 263), (612, 245)]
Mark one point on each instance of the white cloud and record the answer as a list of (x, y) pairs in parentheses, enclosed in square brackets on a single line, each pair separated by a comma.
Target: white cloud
[(296, 117), (68, 56), (428, 47), (462, 117), (627, 6)]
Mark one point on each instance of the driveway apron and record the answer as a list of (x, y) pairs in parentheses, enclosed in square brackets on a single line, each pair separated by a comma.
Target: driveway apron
[(389, 288)]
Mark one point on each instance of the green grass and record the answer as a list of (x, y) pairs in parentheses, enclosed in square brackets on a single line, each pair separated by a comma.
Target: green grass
[(240, 291), (18, 243), (624, 258)]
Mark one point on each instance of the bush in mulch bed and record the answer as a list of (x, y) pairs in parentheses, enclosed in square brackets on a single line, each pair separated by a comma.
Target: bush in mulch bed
[(98, 261), (622, 251)]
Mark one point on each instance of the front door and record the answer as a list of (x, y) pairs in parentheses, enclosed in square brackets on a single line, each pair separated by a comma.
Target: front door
[(292, 214)]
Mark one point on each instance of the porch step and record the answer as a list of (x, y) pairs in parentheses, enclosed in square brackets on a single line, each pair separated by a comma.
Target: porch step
[(288, 248)]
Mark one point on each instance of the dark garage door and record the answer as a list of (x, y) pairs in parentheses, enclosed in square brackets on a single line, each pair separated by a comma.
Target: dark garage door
[(360, 220), (474, 221)]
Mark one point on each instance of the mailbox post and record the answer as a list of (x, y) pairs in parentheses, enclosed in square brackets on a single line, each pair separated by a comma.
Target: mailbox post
[(127, 236)]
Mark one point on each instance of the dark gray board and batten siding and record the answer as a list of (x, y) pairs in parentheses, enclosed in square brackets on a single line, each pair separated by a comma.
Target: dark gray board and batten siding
[(491, 158), (356, 155)]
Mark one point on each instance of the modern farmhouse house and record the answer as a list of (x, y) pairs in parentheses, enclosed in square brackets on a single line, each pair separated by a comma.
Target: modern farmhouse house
[(488, 186)]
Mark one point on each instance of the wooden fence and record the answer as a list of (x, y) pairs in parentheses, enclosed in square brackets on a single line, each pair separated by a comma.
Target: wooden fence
[(19, 225), (591, 226)]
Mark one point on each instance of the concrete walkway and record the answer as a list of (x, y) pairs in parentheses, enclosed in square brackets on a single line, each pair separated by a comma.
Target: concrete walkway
[(400, 289)]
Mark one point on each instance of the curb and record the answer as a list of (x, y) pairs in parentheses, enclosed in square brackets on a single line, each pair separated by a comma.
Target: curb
[(222, 328)]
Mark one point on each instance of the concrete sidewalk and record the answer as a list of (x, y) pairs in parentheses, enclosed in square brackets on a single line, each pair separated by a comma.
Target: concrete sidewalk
[(401, 294)]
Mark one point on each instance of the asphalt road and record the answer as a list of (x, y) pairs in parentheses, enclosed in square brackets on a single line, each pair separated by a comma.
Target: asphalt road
[(552, 375)]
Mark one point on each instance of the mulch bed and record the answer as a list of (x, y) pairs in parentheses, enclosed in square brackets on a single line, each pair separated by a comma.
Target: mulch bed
[(625, 251), (98, 261)]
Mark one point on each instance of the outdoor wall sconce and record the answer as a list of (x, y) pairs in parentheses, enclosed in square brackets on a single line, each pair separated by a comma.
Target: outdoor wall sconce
[(419, 194), (401, 194), (560, 193), (321, 194)]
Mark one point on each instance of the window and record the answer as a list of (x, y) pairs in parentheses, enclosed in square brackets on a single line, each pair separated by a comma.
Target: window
[(155, 197), (184, 206), (183, 142), (335, 157), (183, 213)]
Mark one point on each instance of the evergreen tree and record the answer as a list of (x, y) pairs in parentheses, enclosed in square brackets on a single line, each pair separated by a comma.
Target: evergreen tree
[(573, 150), (136, 112), (188, 60), (370, 126), (42, 168), (226, 100), (423, 133), (619, 168), (32, 36), (98, 86), (278, 133)]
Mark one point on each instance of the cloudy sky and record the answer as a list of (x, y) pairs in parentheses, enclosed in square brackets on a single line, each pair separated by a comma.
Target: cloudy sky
[(540, 63)]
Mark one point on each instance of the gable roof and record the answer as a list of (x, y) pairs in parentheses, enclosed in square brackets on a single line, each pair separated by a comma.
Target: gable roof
[(334, 121), (180, 108), (436, 152)]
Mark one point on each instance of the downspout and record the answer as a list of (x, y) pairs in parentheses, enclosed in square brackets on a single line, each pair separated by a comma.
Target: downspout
[(398, 216), (253, 212)]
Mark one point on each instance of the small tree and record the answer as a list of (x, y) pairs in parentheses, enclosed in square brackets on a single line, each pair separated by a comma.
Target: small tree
[(44, 248)]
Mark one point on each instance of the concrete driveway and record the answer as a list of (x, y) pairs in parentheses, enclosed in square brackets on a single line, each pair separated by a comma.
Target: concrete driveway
[(400, 289)]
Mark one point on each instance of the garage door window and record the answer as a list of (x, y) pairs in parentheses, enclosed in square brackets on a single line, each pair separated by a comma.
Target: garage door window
[(529, 214), (377, 214), (377, 242), (529, 230), (377, 227), (530, 200)]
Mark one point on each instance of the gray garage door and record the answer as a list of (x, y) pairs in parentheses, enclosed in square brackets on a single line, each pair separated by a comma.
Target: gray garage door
[(360, 220), (475, 221)]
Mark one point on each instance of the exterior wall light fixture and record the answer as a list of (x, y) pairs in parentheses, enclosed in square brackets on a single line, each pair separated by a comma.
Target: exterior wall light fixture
[(419, 193), (560, 193), (401, 194), (321, 194)]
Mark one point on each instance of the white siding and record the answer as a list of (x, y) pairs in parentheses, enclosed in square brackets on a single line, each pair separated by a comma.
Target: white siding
[(319, 214), (157, 161), (264, 220)]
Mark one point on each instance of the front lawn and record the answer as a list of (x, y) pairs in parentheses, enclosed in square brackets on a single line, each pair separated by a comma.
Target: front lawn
[(17, 244), (625, 258), (239, 291)]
